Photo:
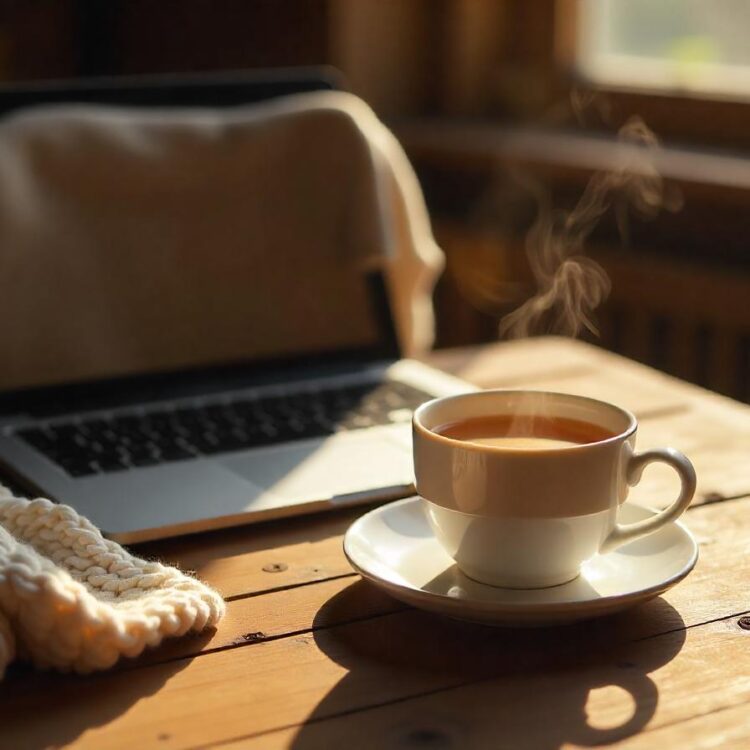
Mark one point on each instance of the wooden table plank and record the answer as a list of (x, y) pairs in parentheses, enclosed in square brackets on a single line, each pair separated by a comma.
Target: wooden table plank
[(618, 387), (279, 614), (262, 557), (726, 728), (525, 363), (589, 373), (508, 366), (717, 448)]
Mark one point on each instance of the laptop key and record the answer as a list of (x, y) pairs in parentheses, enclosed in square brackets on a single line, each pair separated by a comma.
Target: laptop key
[(38, 439), (77, 466), (354, 421), (142, 457), (176, 453), (111, 463), (207, 444)]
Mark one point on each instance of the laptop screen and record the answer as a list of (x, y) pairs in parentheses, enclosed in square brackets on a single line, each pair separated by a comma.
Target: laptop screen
[(142, 315), (124, 273)]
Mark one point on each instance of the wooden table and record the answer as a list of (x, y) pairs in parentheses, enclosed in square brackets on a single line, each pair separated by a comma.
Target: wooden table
[(310, 656)]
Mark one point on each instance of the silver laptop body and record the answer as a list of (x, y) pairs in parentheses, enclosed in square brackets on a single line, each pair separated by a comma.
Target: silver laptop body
[(309, 423)]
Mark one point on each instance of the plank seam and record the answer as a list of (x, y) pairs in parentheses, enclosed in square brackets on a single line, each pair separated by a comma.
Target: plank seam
[(714, 500), (287, 587), (265, 639), (691, 627)]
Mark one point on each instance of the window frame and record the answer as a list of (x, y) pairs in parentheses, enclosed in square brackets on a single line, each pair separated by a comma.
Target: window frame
[(676, 115)]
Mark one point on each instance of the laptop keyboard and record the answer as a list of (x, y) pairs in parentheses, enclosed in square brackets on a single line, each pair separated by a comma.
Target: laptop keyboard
[(93, 446)]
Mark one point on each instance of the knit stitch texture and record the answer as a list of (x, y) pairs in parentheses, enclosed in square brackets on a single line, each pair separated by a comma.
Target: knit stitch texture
[(72, 600)]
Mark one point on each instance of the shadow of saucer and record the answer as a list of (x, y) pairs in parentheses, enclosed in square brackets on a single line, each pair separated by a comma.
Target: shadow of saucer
[(417, 680), (81, 702), (456, 590)]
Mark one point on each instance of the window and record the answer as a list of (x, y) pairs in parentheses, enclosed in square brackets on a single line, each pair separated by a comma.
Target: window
[(696, 47)]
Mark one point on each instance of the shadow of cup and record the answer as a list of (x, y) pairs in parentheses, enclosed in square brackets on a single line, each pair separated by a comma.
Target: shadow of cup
[(432, 682)]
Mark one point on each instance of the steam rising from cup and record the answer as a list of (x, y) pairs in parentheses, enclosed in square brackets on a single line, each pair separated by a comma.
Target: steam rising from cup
[(569, 285)]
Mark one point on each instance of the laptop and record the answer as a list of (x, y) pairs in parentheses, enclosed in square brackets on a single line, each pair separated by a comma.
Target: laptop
[(314, 414), (156, 455)]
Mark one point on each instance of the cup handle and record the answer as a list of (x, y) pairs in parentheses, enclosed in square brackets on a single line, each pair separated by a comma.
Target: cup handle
[(622, 534)]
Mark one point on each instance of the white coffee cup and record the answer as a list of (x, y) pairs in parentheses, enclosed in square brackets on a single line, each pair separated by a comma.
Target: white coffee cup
[(522, 518)]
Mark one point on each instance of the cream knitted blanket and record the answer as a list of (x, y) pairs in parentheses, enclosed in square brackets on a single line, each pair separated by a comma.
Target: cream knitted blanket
[(72, 600)]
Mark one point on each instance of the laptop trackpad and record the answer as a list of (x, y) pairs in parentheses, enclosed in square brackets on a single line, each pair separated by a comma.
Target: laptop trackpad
[(316, 470)]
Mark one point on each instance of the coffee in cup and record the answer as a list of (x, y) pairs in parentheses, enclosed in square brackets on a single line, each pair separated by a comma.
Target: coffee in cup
[(524, 431)]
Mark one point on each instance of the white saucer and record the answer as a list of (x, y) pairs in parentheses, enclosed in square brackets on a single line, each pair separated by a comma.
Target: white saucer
[(393, 547)]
